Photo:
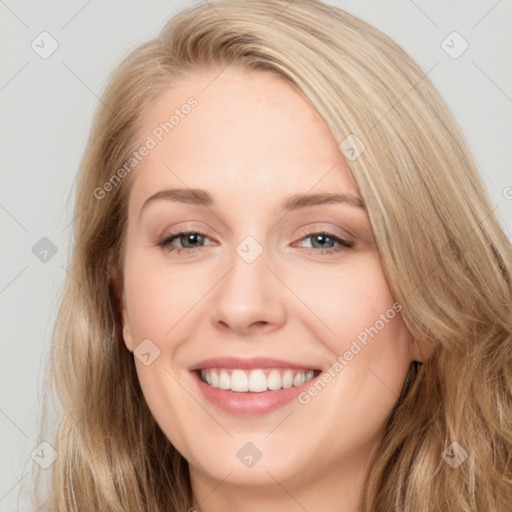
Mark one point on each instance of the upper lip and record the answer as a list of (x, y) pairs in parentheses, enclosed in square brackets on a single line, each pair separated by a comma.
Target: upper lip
[(248, 363)]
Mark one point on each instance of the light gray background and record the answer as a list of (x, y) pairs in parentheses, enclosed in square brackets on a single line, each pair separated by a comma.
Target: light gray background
[(47, 107)]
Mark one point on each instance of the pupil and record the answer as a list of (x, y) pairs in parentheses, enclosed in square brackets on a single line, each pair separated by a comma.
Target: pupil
[(321, 239), (190, 238)]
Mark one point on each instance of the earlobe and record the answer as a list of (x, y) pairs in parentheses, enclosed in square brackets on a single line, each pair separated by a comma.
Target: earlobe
[(116, 282), (127, 337)]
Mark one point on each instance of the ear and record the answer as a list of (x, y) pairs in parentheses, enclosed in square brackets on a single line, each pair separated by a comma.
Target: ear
[(116, 280), (127, 331)]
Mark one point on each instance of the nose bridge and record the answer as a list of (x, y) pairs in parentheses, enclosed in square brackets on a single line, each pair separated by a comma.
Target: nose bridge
[(246, 295)]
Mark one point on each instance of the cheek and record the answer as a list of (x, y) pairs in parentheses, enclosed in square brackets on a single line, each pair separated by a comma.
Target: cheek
[(158, 297), (347, 298)]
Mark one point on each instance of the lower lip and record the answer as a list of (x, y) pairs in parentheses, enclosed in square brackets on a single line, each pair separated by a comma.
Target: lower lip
[(250, 403)]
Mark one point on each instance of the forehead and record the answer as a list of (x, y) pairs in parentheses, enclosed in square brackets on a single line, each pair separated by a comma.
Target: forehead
[(248, 131)]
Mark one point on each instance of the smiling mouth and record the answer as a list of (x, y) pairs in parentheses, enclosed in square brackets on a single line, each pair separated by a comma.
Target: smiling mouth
[(255, 381)]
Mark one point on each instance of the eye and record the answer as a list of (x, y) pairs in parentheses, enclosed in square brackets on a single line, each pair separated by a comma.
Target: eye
[(325, 242), (189, 240)]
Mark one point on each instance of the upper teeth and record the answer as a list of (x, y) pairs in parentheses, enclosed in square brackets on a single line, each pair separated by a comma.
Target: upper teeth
[(255, 380)]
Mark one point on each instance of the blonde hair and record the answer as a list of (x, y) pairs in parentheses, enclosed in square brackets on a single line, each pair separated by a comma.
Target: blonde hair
[(445, 256)]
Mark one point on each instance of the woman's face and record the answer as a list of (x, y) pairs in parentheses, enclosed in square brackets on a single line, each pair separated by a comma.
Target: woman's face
[(273, 284)]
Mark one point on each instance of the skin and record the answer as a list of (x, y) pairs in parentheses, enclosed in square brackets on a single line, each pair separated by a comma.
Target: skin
[(251, 142)]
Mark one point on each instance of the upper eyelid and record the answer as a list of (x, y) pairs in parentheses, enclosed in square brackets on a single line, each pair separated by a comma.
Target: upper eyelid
[(333, 220)]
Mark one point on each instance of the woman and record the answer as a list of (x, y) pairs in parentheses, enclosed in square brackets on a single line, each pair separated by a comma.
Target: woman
[(288, 288)]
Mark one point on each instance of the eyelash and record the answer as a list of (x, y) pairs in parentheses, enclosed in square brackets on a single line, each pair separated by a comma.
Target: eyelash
[(343, 245)]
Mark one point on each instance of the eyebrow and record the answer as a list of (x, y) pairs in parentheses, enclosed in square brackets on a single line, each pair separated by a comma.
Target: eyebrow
[(200, 197)]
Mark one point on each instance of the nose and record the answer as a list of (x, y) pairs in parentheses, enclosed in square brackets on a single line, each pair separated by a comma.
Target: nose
[(249, 298)]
